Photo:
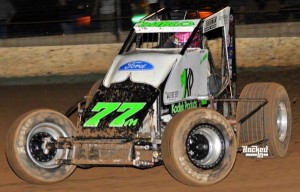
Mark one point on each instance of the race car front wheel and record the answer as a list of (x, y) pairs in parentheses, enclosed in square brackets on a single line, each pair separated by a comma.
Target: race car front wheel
[(199, 147), (30, 148)]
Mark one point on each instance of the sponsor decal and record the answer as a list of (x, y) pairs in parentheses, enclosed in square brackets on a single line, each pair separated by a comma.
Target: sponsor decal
[(255, 151), (187, 81), (205, 57), (126, 110), (230, 52), (164, 111), (224, 17), (204, 102), (171, 96), (179, 107), (230, 38), (210, 24), (184, 23), (136, 66)]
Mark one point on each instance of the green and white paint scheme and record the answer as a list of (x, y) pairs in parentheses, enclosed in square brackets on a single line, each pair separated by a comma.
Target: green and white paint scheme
[(125, 110), (166, 26), (186, 75), (166, 65), (181, 80)]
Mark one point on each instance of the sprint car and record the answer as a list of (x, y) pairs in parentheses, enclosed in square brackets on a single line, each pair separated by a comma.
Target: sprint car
[(164, 100)]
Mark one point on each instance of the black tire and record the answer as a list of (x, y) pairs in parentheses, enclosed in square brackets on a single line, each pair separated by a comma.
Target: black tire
[(272, 122), (201, 163), (25, 150), (92, 92)]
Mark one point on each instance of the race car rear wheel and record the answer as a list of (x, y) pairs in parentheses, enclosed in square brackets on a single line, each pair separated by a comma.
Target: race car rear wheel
[(273, 122), (30, 148), (199, 147)]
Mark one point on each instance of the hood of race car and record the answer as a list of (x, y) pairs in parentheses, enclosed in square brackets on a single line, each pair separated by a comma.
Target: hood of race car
[(150, 68)]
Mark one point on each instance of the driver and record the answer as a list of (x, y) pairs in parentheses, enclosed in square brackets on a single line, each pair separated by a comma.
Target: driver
[(179, 39)]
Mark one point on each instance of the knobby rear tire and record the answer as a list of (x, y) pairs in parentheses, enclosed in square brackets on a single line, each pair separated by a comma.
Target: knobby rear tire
[(272, 122)]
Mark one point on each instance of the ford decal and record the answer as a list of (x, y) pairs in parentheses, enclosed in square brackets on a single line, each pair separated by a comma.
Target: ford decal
[(136, 66)]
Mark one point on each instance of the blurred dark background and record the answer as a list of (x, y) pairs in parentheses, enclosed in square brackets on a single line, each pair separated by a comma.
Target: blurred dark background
[(27, 18)]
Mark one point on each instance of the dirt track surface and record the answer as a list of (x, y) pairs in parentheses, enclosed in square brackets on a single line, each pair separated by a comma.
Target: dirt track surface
[(247, 175)]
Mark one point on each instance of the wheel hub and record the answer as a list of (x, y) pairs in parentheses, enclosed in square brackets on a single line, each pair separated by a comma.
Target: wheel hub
[(282, 121), (40, 145), (198, 147), (39, 149), (205, 146)]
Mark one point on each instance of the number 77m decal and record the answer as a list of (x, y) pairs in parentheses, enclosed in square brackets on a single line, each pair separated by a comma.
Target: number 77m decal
[(105, 108)]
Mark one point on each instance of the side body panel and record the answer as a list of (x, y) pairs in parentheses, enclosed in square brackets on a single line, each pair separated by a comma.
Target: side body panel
[(148, 68), (188, 79)]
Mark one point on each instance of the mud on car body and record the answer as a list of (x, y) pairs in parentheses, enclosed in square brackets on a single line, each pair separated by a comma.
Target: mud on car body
[(159, 104)]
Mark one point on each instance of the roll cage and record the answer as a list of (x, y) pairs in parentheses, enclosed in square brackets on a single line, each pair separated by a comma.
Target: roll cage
[(209, 24), (167, 15)]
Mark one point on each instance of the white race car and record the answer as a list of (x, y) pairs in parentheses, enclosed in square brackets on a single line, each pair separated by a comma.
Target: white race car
[(163, 101)]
